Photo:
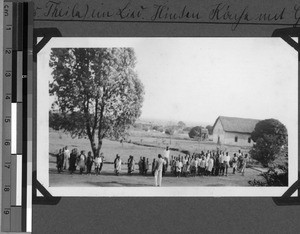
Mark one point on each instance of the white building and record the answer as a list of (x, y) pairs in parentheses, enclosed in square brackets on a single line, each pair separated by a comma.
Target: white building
[(233, 131)]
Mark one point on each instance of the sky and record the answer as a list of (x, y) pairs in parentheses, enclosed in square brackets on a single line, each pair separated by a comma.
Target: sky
[(195, 80)]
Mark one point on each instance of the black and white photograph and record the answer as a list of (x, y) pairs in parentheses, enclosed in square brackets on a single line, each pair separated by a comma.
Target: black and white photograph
[(167, 116)]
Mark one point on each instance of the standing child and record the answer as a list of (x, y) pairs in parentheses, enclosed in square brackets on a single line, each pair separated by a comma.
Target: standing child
[(222, 165), (226, 163), (73, 158), (130, 164), (193, 167), (89, 163), (217, 164), (97, 162), (202, 166), (82, 162), (146, 166), (66, 158), (210, 166), (240, 161), (234, 162), (153, 166), (244, 164), (117, 164), (59, 161), (178, 167), (186, 169), (141, 165), (102, 159)]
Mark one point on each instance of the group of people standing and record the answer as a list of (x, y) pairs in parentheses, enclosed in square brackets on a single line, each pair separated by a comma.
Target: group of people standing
[(203, 164), (66, 160), (208, 164)]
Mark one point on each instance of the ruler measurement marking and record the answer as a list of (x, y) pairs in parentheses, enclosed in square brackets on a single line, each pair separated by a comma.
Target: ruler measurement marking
[(6, 158)]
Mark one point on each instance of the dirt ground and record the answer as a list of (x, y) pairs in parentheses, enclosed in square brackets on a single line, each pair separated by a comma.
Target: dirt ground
[(107, 178)]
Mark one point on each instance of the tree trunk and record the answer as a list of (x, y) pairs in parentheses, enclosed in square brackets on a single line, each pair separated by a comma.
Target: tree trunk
[(93, 146), (99, 146)]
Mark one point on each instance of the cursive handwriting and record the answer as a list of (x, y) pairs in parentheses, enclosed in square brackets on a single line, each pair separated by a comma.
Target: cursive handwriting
[(56, 9), (221, 12), (163, 12), (224, 13)]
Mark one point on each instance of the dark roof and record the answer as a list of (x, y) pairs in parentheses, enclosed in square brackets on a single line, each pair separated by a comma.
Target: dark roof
[(233, 124)]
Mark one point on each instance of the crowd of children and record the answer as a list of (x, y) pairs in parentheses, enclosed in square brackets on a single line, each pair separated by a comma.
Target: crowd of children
[(203, 164), (208, 164)]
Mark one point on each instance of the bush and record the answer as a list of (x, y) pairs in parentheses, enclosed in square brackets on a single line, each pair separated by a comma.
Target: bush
[(277, 176), (270, 137)]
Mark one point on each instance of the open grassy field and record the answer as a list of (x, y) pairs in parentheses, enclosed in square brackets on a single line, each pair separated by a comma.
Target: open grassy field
[(145, 144)]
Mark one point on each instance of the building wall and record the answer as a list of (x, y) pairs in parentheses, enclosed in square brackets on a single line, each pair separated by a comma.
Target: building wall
[(229, 137), (218, 133), (242, 139)]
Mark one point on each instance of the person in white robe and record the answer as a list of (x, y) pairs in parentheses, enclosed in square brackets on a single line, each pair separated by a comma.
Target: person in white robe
[(210, 165), (66, 158)]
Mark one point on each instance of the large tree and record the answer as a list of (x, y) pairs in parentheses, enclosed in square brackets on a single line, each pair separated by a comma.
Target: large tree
[(271, 139), (195, 132), (97, 91)]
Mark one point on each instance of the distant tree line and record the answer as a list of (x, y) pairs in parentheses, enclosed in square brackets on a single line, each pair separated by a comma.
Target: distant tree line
[(181, 127)]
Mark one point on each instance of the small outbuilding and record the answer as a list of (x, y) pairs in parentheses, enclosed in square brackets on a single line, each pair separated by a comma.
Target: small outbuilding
[(234, 131)]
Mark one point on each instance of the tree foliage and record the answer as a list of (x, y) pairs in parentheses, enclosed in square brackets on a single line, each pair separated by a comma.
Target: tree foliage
[(158, 128), (181, 124), (271, 139), (195, 132), (97, 91), (210, 129), (170, 131)]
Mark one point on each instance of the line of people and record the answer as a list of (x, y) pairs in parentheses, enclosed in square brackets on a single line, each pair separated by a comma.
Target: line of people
[(203, 164), (66, 160)]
